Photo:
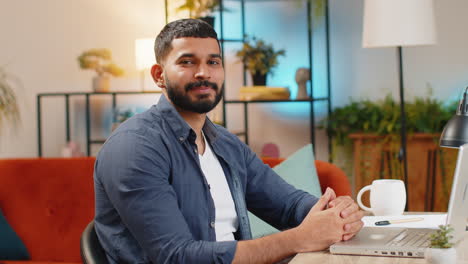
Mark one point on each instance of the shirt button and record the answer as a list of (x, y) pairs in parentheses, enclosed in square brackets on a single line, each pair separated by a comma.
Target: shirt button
[(195, 150), (181, 138), (212, 224)]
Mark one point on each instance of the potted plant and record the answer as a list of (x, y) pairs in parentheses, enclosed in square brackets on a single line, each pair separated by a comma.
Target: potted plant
[(9, 111), (259, 58), (441, 250), (201, 9), (366, 136), (100, 60)]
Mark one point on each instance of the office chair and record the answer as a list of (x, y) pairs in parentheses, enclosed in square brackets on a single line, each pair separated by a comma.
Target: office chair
[(91, 250)]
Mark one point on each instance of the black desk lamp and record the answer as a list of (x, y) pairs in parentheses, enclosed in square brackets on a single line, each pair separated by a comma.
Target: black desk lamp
[(455, 132)]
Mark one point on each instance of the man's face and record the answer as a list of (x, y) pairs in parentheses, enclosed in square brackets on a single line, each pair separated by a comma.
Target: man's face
[(193, 74)]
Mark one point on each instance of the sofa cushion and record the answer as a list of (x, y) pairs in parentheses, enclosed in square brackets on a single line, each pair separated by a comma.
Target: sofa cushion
[(48, 202), (299, 171), (11, 246)]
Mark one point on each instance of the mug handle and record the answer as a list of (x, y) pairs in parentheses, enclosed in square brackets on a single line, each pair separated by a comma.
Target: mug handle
[(359, 196)]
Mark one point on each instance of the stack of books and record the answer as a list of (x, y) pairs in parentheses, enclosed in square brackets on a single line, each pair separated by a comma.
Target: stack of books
[(249, 93)]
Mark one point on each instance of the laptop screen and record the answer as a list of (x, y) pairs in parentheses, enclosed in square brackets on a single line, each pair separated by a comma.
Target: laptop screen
[(458, 205)]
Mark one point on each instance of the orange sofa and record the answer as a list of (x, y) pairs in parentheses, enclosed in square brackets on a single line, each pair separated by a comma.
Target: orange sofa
[(49, 202)]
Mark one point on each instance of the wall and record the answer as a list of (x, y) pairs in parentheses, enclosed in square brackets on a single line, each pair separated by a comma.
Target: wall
[(41, 40), (372, 73), (364, 73), (40, 43)]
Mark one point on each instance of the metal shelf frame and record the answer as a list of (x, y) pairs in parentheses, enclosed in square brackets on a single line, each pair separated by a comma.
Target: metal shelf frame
[(310, 48), (87, 96)]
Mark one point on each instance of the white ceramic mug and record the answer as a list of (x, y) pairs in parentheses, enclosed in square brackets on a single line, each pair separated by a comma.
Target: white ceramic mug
[(387, 197)]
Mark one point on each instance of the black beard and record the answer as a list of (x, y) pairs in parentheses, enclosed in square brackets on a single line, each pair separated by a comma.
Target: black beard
[(183, 101)]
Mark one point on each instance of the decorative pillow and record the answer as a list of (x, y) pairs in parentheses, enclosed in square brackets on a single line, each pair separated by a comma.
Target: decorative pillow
[(297, 170), (11, 246)]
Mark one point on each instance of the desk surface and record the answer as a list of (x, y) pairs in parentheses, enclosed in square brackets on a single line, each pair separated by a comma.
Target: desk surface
[(326, 258)]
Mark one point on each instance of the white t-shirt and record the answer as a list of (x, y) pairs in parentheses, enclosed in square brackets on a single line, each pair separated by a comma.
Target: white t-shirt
[(225, 210)]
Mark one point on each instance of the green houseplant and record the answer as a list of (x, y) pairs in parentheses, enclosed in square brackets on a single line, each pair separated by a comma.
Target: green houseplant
[(100, 60), (424, 115), (441, 249), (9, 111), (259, 58), (201, 9), (366, 142)]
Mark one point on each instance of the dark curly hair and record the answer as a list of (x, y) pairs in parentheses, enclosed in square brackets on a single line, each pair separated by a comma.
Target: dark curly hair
[(181, 28)]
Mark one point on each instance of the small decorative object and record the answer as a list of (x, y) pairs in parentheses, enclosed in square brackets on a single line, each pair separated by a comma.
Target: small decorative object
[(302, 76), (121, 115), (270, 150), (72, 149), (9, 111), (249, 93), (100, 60), (201, 9), (259, 58), (441, 250)]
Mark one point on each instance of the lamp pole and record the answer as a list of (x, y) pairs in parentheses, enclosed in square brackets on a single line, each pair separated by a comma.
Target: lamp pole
[(414, 26), (402, 155)]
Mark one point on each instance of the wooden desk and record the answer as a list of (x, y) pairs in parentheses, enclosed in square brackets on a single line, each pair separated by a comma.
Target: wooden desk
[(324, 257)]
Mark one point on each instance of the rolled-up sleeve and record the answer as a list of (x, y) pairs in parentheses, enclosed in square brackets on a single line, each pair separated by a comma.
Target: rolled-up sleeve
[(271, 198), (134, 171)]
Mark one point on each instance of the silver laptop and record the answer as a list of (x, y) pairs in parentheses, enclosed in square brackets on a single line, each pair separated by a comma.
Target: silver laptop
[(412, 242)]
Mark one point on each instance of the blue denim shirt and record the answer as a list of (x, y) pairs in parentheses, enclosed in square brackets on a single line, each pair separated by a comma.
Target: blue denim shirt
[(153, 203)]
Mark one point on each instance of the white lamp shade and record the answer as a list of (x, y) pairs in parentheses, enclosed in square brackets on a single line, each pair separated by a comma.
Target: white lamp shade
[(391, 23), (144, 53)]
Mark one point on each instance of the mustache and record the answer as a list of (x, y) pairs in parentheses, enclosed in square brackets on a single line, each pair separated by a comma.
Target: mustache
[(191, 85)]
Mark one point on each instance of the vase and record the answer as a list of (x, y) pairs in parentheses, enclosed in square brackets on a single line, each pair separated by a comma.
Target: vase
[(259, 79), (101, 84), (440, 255)]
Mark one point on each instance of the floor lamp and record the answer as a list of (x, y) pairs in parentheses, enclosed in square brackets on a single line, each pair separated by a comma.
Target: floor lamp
[(144, 57), (399, 23)]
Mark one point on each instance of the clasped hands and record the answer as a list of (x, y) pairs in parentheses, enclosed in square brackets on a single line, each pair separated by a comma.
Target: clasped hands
[(331, 219), (351, 213)]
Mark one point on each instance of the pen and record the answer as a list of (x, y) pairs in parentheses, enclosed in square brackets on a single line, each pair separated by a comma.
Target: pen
[(387, 222)]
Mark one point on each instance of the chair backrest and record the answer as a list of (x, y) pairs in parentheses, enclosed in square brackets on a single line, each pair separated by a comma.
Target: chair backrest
[(332, 176), (48, 202), (91, 250)]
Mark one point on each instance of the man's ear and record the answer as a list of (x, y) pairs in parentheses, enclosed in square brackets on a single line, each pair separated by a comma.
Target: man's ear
[(158, 76)]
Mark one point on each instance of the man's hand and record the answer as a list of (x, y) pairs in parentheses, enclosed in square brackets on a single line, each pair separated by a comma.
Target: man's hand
[(351, 214), (322, 227)]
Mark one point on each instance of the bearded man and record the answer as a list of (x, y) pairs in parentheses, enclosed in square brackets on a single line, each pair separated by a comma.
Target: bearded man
[(172, 187)]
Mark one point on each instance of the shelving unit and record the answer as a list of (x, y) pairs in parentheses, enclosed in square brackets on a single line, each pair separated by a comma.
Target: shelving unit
[(312, 99), (227, 101), (87, 95), (246, 112)]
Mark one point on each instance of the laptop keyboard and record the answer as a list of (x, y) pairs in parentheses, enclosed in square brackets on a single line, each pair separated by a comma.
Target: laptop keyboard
[(411, 238)]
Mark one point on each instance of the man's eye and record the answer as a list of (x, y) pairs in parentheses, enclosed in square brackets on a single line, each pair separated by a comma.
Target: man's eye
[(186, 62), (214, 62)]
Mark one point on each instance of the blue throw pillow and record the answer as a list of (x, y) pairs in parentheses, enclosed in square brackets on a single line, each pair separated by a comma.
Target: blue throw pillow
[(299, 171), (11, 246)]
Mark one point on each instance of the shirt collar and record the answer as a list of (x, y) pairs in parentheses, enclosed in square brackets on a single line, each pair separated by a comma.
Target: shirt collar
[(180, 127)]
